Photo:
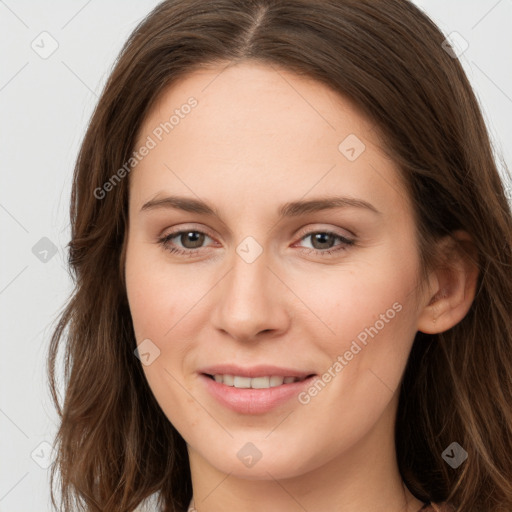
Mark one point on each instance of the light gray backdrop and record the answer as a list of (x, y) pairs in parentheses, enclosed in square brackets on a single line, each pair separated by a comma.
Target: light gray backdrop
[(54, 61)]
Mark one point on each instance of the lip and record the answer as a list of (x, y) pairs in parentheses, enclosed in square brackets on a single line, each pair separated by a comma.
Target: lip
[(254, 401)]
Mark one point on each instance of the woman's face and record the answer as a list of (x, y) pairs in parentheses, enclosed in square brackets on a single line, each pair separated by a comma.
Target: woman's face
[(266, 276)]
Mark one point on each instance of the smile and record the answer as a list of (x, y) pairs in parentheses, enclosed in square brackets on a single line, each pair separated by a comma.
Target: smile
[(264, 382)]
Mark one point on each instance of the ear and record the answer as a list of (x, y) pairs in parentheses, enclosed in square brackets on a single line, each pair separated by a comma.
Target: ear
[(452, 286)]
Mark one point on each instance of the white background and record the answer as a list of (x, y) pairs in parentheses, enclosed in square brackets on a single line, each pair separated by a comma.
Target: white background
[(45, 106)]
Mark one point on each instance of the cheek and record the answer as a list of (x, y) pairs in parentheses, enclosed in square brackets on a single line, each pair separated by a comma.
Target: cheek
[(157, 303), (157, 297), (366, 315)]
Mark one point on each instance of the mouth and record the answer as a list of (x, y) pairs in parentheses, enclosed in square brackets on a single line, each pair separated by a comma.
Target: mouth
[(261, 382), (258, 394)]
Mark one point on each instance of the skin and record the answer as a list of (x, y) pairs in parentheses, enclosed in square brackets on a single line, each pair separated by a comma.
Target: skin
[(260, 137)]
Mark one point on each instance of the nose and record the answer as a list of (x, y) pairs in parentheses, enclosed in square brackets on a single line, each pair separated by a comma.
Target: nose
[(251, 301)]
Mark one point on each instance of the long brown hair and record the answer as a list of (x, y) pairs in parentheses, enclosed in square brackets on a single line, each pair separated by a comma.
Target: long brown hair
[(115, 446)]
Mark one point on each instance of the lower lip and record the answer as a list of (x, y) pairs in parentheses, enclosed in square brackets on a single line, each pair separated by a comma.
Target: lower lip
[(254, 401)]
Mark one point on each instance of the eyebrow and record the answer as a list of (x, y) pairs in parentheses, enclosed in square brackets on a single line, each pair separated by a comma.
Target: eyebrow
[(290, 209)]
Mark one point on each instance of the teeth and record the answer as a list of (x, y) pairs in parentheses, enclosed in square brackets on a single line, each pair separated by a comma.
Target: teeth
[(229, 380), (276, 381), (242, 382), (255, 382)]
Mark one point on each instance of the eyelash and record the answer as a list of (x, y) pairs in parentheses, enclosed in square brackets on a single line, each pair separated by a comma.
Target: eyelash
[(346, 243)]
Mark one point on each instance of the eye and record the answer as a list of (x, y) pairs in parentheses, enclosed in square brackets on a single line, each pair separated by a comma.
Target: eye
[(192, 240), (322, 242)]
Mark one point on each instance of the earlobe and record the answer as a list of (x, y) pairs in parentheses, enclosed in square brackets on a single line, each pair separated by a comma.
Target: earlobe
[(454, 285)]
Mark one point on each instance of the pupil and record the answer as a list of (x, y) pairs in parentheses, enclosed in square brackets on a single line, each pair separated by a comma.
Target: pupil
[(197, 239), (323, 238)]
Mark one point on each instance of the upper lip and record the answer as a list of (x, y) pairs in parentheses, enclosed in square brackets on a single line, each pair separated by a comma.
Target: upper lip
[(255, 371)]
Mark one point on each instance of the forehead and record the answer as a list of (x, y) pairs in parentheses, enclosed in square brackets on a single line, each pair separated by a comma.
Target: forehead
[(252, 96), (256, 129)]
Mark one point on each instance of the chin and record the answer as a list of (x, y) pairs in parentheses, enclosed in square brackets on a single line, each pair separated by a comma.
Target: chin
[(279, 466)]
